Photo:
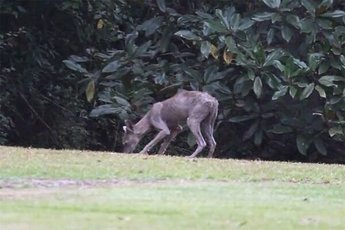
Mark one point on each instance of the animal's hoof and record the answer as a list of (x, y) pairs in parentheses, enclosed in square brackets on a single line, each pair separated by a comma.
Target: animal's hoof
[(192, 159), (144, 153)]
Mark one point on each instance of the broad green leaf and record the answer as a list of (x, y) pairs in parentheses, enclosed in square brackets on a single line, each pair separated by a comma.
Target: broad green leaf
[(278, 65), (320, 146), (276, 17), (205, 48), (257, 87), (326, 4), (251, 74), (259, 54), (122, 101), (309, 5), (307, 25), (300, 64), (193, 73), (242, 118), (302, 144), (245, 24), (280, 129), (334, 14), (270, 36), (225, 20), (90, 90), (141, 50), (235, 22), (151, 25), (286, 33), (272, 3), (274, 56), (329, 80), (336, 130), (165, 41), (307, 91), (103, 56), (325, 24), (111, 67), (130, 43), (187, 34), (250, 132), (260, 17), (273, 81), (216, 26), (218, 87), (281, 92), (335, 63), (292, 91), (104, 109), (342, 59), (231, 44), (118, 74), (314, 60), (76, 58), (293, 20), (209, 73), (323, 67), (335, 100), (321, 91), (74, 66), (161, 5)]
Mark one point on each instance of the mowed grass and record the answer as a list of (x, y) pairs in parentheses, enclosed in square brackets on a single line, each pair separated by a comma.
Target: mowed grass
[(49, 189)]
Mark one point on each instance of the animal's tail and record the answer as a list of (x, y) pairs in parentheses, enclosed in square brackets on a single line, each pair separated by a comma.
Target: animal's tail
[(214, 113), (211, 118)]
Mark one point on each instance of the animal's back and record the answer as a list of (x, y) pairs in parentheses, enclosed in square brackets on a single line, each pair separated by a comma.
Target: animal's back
[(177, 108)]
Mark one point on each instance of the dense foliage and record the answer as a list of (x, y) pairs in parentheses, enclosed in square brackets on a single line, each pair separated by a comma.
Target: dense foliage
[(73, 70)]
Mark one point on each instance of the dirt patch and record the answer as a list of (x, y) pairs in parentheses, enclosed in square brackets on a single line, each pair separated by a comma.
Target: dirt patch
[(33, 188), (56, 183), (39, 188), (63, 183)]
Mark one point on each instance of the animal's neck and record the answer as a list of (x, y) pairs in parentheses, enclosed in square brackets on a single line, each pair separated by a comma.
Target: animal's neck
[(143, 126)]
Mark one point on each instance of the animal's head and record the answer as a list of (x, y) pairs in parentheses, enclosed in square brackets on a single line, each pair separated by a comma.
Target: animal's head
[(130, 137)]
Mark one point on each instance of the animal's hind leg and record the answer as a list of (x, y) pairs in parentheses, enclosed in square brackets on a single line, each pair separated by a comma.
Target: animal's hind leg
[(199, 114), (193, 123), (208, 128), (208, 133), (194, 126)]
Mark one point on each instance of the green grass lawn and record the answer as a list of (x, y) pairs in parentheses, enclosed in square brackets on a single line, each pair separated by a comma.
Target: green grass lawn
[(49, 189)]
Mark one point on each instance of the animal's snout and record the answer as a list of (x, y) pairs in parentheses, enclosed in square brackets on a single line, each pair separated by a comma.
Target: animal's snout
[(127, 148)]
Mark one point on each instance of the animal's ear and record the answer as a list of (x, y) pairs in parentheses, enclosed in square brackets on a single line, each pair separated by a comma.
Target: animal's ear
[(128, 123), (128, 127)]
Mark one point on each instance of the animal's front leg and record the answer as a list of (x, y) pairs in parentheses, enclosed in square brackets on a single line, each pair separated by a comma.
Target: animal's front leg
[(155, 140), (169, 138)]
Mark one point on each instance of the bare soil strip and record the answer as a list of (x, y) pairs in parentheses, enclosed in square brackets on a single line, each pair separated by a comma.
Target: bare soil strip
[(16, 184), (30, 188)]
